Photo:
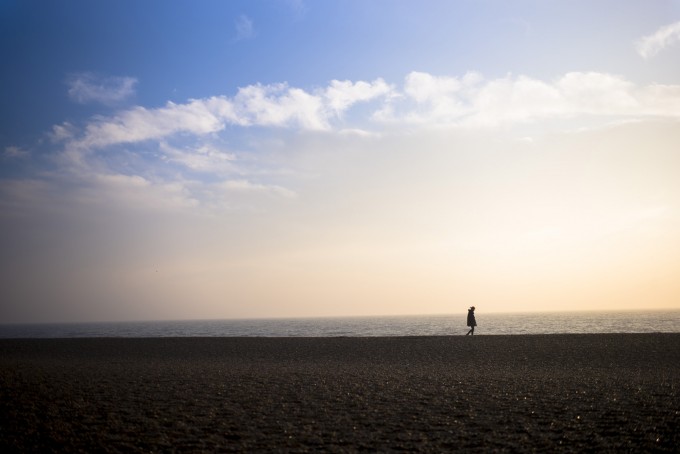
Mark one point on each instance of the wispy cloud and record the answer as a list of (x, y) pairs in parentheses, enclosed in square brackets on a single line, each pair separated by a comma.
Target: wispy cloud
[(204, 158), (649, 46), (280, 105), (341, 94), (298, 7), (140, 124), (14, 152), (245, 186), (472, 100), (88, 87), (275, 105), (244, 28), (62, 132)]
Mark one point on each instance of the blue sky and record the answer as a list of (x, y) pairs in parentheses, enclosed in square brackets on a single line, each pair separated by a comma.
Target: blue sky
[(178, 50), (289, 158)]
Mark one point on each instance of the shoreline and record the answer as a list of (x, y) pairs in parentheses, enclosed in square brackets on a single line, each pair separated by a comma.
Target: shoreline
[(567, 392), (378, 326)]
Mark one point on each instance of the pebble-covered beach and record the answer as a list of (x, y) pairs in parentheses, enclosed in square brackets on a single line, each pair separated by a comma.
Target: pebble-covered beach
[(616, 392)]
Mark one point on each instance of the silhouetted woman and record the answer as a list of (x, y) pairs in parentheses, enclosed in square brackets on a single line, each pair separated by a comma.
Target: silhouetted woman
[(471, 322)]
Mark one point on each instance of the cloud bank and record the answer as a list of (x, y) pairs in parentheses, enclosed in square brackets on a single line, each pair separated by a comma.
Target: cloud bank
[(424, 99), (195, 151)]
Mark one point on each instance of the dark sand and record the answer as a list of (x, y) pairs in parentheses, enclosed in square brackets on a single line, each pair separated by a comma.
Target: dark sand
[(616, 392)]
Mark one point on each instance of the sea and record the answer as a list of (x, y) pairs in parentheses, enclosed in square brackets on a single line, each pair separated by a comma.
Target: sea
[(412, 325)]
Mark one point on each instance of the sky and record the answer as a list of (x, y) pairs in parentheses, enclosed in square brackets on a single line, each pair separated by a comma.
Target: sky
[(168, 160)]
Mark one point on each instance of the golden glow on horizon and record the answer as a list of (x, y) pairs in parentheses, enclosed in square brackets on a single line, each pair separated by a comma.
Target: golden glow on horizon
[(583, 221)]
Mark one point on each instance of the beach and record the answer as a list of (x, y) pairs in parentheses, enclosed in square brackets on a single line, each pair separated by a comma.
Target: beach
[(429, 394)]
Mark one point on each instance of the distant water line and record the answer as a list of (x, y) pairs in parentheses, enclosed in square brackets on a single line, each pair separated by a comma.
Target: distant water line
[(423, 325)]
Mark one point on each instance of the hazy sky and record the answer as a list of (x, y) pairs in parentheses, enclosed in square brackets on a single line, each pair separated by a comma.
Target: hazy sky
[(190, 160)]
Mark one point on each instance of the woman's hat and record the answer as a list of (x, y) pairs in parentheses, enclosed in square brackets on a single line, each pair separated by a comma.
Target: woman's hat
[(472, 307)]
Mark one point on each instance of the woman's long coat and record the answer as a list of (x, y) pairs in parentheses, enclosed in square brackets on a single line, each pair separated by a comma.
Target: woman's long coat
[(471, 318)]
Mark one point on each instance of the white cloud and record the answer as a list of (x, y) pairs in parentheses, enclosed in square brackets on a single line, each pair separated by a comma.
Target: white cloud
[(255, 105), (138, 193), (139, 124), (204, 158), (276, 105), (342, 94), (438, 98), (248, 187), (88, 87), (358, 132), (472, 101), (650, 45), (62, 132), (280, 105), (597, 93), (514, 100), (283, 106), (244, 28), (660, 100), (426, 87)]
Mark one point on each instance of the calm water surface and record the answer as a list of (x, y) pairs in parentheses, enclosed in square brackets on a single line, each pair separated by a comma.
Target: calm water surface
[(426, 325)]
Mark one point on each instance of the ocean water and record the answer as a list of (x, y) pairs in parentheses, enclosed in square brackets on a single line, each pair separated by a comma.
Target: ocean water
[(423, 325)]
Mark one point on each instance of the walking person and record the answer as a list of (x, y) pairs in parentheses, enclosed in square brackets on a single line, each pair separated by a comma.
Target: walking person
[(471, 322)]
